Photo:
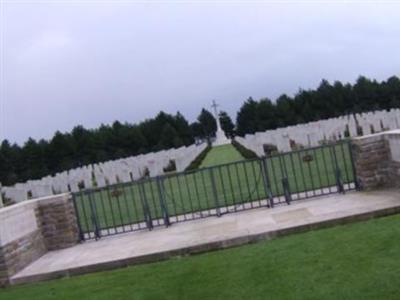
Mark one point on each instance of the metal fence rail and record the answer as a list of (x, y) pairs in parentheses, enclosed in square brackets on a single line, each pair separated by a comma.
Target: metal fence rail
[(214, 191)]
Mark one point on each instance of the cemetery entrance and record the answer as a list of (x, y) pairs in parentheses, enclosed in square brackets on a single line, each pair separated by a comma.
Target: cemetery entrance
[(214, 191)]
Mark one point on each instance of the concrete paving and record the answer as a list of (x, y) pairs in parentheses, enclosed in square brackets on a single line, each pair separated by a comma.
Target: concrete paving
[(210, 234)]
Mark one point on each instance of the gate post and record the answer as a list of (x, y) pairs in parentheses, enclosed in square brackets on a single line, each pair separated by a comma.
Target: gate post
[(267, 188), (146, 210), (160, 187), (214, 188)]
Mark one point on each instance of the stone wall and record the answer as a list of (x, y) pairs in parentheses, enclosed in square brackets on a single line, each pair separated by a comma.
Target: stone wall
[(21, 240), (394, 174), (30, 229), (393, 139), (58, 223), (17, 254), (375, 158)]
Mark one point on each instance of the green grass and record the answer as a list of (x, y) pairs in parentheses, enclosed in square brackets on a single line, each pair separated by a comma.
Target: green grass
[(221, 155), (357, 261), (235, 183)]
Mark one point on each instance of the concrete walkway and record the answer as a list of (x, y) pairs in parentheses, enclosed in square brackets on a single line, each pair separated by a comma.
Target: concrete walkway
[(210, 234)]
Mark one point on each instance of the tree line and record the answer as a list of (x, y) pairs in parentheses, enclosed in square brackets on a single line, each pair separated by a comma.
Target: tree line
[(327, 101), (81, 146), (36, 159)]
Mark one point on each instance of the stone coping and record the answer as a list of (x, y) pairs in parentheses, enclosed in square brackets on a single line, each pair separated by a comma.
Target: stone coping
[(60, 198), (377, 135)]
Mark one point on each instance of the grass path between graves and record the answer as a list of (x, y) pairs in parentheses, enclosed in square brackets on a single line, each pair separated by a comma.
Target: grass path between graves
[(221, 155), (356, 261)]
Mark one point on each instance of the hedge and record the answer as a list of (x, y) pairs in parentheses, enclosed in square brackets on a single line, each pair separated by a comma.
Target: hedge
[(245, 152), (195, 164)]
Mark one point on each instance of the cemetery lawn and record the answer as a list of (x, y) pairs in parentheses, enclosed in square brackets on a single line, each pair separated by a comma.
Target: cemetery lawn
[(356, 261), (221, 155), (235, 183)]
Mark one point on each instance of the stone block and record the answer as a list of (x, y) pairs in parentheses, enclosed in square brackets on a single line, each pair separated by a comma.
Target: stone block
[(373, 160), (30, 229)]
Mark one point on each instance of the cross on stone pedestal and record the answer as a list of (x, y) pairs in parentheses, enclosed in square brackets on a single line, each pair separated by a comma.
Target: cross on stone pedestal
[(214, 106), (220, 137), (1, 198), (216, 114)]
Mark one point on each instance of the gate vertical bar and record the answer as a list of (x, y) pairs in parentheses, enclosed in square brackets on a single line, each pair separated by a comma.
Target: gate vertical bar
[(146, 210), (215, 194), (267, 185), (286, 190), (285, 181), (160, 187), (232, 189), (339, 183), (344, 162), (93, 215), (78, 217), (353, 166), (86, 216)]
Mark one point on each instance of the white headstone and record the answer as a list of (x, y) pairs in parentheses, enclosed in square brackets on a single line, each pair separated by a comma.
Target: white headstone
[(1, 197)]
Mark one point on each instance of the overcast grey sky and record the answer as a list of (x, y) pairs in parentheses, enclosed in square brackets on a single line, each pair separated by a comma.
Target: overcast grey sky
[(90, 62)]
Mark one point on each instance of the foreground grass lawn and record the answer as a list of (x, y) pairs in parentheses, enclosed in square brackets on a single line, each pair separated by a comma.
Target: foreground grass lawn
[(358, 261), (221, 155)]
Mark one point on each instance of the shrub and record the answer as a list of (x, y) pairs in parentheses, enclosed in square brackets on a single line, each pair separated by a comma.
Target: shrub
[(270, 149), (347, 131), (116, 193), (171, 167), (308, 158), (195, 164), (146, 173)]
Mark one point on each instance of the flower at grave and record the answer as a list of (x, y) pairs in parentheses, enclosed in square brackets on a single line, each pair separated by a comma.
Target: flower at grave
[(308, 158), (116, 193)]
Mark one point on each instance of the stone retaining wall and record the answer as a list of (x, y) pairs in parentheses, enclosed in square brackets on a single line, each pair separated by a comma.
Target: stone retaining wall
[(30, 229), (19, 253), (377, 159), (58, 223), (394, 174), (394, 145)]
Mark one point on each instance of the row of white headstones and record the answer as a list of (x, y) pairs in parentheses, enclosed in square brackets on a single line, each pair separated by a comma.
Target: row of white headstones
[(104, 174), (133, 168), (316, 133)]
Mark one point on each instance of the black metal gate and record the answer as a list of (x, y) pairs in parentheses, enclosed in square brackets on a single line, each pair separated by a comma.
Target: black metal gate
[(214, 191)]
